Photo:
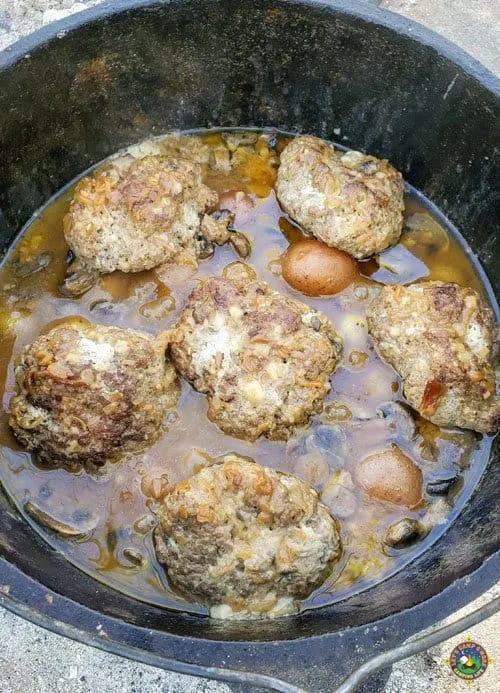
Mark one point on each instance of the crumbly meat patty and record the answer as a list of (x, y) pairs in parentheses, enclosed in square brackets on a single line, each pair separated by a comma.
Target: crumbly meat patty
[(245, 539), (86, 393), (346, 199), (138, 213), (441, 339), (263, 360)]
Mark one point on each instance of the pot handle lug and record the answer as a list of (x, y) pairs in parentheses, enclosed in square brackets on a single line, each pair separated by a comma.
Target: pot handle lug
[(416, 645)]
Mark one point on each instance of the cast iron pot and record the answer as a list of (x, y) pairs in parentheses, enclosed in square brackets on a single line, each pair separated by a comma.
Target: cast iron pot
[(77, 91)]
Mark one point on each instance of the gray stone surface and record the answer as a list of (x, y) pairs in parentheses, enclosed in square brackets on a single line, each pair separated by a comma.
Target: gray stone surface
[(32, 660), (472, 24), (35, 661)]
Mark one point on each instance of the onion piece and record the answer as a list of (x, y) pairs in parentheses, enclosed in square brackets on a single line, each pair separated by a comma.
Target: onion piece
[(425, 233), (399, 266)]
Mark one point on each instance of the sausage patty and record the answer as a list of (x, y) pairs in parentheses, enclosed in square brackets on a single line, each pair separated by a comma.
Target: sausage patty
[(263, 360), (440, 338), (246, 540), (137, 213), (87, 393), (346, 199)]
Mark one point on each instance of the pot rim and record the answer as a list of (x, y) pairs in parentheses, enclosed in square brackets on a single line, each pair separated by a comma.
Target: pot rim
[(362, 9), (30, 603), (34, 606)]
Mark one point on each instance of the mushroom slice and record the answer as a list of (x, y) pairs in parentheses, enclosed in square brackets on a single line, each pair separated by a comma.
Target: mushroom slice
[(62, 528)]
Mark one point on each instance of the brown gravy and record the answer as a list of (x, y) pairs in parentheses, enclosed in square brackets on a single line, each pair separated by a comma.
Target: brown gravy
[(113, 504)]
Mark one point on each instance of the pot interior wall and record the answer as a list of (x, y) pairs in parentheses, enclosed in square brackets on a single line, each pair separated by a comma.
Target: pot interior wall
[(79, 96)]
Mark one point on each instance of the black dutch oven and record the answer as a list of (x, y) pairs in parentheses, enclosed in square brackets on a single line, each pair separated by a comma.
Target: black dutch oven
[(79, 90)]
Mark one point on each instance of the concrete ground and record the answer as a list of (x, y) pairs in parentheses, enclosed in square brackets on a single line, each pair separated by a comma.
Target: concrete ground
[(35, 661)]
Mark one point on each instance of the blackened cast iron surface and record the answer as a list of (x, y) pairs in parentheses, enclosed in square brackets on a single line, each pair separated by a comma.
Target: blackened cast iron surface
[(73, 94)]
